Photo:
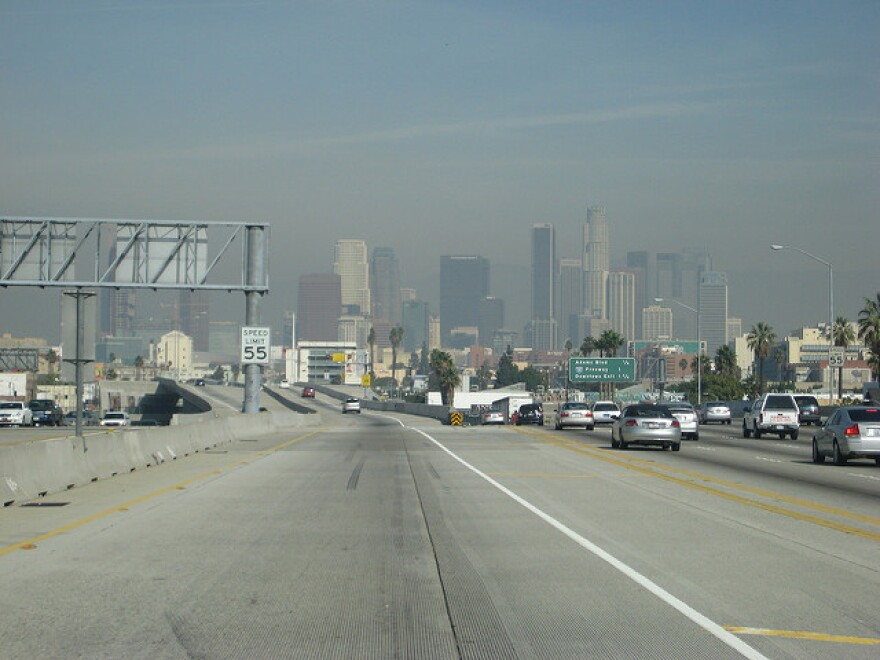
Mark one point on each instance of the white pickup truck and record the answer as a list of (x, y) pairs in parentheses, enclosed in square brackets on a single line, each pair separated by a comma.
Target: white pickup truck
[(772, 413)]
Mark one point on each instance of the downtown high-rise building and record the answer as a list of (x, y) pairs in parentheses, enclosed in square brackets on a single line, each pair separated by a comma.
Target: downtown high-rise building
[(596, 262), (621, 307), (656, 322), (543, 271), (416, 316), (193, 313), (318, 307), (490, 319), (353, 267), (641, 264), (713, 311), (569, 299), (385, 286), (464, 283)]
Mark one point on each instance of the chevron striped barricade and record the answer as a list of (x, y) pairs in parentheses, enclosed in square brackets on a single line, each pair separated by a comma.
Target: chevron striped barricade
[(455, 418)]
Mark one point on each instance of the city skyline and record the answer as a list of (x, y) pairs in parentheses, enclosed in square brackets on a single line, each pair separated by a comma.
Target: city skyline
[(451, 128)]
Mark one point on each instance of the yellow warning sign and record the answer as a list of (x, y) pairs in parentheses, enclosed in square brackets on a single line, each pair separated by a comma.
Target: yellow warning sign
[(455, 418), (365, 380)]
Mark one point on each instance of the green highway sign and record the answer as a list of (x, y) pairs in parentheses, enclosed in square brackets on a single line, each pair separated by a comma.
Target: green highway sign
[(601, 370)]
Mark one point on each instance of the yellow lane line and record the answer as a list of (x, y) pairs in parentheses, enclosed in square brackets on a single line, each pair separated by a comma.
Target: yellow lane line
[(124, 507), (821, 522), (543, 475), (802, 634)]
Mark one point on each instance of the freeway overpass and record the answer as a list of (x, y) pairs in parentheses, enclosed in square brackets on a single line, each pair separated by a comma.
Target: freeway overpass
[(390, 535)]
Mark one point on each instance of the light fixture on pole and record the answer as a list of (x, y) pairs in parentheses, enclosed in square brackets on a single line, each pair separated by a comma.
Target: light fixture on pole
[(830, 310), (699, 346)]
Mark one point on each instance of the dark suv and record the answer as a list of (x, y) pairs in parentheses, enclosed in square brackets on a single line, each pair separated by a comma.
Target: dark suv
[(809, 409), (46, 412), (530, 413)]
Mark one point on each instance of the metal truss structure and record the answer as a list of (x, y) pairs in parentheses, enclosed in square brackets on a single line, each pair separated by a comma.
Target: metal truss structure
[(144, 254)]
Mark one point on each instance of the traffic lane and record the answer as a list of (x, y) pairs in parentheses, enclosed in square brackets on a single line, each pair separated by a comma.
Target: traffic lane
[(346, 543), (737, 560)]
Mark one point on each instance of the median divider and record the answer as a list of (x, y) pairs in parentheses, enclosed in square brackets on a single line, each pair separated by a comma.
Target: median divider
[(35, 469)]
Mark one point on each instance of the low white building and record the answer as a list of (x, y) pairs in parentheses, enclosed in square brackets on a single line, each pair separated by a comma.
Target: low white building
[(326, 361), (174, 352)]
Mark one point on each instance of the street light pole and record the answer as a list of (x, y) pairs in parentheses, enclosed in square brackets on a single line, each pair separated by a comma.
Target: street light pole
[(830, 310), (699, 347)]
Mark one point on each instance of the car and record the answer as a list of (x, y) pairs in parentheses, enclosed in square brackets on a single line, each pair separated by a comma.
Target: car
[(850, 432), (308, 392), (200, 382), (771, 413), (88, 418), (604, 412), (574, 413), (687, 418), (351, 405), (646, 424), (284, 384), (15, 413), (530, 413), (115, 418), (808, 407), (715, 411), (492, 416), (46, 412)]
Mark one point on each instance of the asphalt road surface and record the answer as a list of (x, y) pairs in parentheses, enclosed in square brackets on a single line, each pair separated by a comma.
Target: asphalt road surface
[(379, 536)]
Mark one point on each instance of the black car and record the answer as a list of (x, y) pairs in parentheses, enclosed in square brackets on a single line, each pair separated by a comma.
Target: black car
[(809, 409), (530, 413), (46, 412)]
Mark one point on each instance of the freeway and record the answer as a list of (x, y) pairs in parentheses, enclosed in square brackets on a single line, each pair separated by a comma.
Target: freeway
[(385, 535)]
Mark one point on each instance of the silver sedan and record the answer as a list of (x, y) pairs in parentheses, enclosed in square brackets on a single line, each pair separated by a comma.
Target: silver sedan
[(644, 424), (715, 411), (850, 432)]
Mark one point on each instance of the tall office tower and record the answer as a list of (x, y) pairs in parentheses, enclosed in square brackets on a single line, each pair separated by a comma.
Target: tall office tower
[(385, 285), (193, 310), (318, 307), (122, 313), (407, 294), (656, 322), (353, 268), (642, 265), (713, 311), (596, 262), (569, 298), (543, 271), (433, 333), (543, 334), (464, 282), (734, 328), (622, 303), (354, 330), (490, 320), (415, 325), (288, 329)]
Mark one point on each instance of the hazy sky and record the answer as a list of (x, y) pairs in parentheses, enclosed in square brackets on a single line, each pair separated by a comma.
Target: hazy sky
[(451, 127)]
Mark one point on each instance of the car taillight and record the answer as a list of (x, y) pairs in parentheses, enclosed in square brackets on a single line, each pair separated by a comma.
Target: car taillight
[(631, 422), (852, 430), (564, 415), (675, 423)]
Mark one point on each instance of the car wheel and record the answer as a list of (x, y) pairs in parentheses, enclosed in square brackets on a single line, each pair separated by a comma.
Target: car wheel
[(817, 456), (676, 446), (558, 427), (794, 435), (756, 432), (614, 443), (590, 428), (836, 456), (696, 437), (746, 432), (728, 422), (877, 461), (623, 443)]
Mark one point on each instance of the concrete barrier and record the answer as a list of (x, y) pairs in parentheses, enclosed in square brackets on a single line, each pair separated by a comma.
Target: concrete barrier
[(440, 413), (31, 470)]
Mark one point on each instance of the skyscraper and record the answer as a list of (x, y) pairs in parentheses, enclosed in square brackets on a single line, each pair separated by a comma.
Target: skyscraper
[(353, 267), (543, 270), (385, 285), (464, 282), (569, 299), (193, 310), (596, 262), (641, 265), (490, 319), (713, 311), (415, 325), (656, 322), (318, 307), (622, 304)]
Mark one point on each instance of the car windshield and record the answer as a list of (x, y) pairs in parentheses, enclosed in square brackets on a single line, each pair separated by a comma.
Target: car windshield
[(11, 405), (576, 406), (605, 406), (114, 416), (780, 403), (865, 415), (639, 411)]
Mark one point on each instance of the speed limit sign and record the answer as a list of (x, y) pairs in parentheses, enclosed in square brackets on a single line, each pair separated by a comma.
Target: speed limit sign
[(254, 345)]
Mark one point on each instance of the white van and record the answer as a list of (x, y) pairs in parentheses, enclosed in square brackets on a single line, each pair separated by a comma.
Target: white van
[(115, 418)]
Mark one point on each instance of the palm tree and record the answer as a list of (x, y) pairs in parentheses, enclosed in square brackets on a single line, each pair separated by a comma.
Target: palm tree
[(588, 345), (869, 332), (138, 365), (609, 342), (447, 374), (843, 335), (759, 340), (725, 361), (395, 337), (371, 340)]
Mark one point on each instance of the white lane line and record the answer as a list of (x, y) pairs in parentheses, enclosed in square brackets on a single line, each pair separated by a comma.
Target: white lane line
[(863, 476), (769, 460), (701, 620)]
